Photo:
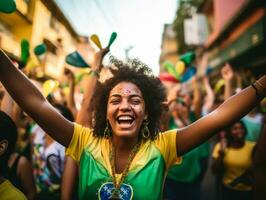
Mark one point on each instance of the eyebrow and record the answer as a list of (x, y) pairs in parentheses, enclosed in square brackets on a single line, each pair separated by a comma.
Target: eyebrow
[(132, 95)]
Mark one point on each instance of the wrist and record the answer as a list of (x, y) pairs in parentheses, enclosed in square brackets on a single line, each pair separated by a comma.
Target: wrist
[(259, 88), (94, 73)]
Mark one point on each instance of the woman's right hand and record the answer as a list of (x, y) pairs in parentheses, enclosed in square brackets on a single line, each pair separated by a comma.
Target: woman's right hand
[(95, 58)]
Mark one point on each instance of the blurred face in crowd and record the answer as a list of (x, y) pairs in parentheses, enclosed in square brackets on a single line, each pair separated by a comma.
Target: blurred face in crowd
[(238, 132), (126, 110), (180, 109), (186, 98)]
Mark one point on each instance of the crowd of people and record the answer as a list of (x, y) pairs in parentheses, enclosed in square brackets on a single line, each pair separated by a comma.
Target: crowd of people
[(134, 135)]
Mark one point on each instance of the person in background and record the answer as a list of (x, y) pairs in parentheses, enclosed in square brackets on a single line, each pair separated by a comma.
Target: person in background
[(8, 138), (20, 172), (48, 160), (232, 162)]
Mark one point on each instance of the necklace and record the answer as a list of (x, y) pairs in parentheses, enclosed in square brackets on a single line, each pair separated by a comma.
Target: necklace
[(116, 190)]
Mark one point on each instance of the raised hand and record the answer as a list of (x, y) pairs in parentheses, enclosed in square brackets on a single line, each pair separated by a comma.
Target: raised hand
[(227, 72), (69, 74), (95, 58), (174, 93)]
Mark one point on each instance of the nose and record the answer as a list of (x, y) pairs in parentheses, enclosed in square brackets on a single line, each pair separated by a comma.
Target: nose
[(124, 106)]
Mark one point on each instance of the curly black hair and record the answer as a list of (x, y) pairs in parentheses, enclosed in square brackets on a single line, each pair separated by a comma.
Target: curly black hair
[(150, 86)]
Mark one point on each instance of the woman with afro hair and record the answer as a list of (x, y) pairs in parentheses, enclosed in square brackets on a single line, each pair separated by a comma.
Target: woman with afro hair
[(123, 155)]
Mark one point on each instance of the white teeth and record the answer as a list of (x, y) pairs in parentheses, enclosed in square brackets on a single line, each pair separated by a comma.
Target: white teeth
[(124, 118)]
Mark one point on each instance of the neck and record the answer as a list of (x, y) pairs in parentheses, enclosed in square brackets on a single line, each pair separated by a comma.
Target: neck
[(237, 144), (124, 144)]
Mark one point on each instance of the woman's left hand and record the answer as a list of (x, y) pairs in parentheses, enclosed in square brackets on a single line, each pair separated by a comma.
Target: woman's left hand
[(96, 57)]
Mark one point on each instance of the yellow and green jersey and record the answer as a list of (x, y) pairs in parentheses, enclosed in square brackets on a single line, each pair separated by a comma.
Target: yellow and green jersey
[(146, 173)]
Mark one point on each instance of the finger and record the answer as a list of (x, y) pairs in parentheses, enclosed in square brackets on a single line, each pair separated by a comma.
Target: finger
[(96, 41), (112, 38), (105, 50)]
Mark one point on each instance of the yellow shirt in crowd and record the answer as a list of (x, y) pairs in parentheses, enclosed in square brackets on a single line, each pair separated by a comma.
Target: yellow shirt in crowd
[(9, 192), (236, 163)]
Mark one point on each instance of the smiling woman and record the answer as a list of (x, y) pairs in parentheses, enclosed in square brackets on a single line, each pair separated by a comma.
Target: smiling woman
[(126, 109), (123, 155), (125, 149)]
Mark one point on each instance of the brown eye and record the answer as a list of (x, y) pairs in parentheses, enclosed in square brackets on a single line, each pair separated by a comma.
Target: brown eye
[(114, 101), (136, 101)]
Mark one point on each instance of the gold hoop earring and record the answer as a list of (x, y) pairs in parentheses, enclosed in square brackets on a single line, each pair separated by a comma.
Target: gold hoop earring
[(145, 132), (107, 132)]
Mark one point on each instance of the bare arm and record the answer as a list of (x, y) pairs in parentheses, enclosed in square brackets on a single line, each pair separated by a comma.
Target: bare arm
[(25, 173), (32, 102), (227, 74), (71, 104), (7, 104), (231, 110), (196, 98), (95, 62), (69, 179), (209, 99)]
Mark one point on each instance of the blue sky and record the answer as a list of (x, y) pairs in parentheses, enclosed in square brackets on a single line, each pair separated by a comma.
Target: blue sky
[(138, 23)]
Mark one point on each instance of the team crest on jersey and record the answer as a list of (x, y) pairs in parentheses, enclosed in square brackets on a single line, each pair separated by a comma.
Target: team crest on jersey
[(107, 191)]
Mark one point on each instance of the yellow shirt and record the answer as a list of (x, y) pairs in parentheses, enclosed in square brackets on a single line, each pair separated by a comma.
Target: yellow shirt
[(10, 192), (236, 162), (146, 172), (100, 147)]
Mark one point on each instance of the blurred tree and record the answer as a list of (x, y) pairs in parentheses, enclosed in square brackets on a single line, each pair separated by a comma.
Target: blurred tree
[(185, 10)]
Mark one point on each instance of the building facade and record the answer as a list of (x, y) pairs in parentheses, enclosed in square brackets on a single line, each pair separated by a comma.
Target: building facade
[(237, 34), (39, 22)]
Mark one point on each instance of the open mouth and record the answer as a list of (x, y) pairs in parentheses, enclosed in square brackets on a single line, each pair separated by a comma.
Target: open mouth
[(125, 119)]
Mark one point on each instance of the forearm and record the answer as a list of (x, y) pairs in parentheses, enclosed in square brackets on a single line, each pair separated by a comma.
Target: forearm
[(231, 110), (84, 115), (18, 85), (7, 104), (30, 99), (71, 104), (197, 100), (228, 89), (69, 179), (209, 96)]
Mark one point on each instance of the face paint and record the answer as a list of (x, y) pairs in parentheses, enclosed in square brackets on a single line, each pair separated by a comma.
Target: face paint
[(126, 110)]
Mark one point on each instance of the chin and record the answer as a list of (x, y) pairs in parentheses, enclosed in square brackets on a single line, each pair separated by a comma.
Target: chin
[(126, 135)]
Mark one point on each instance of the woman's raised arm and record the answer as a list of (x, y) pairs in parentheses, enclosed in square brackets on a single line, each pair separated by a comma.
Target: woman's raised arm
[(230, 111), (30, 99)]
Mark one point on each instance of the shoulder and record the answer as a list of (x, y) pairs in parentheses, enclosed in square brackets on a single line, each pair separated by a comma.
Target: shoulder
[(78, 128), (249, 145), (167, 134)]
